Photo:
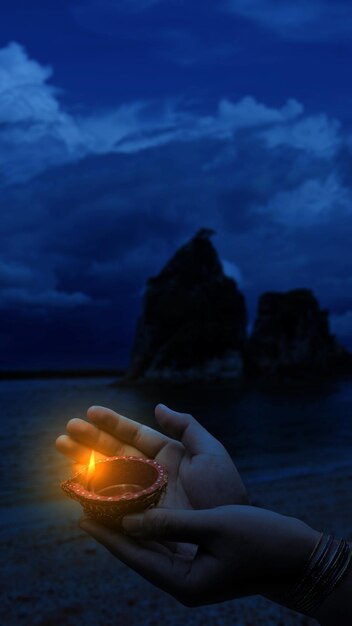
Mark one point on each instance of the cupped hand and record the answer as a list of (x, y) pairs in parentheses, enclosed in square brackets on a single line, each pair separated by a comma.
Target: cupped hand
[(201, 473), (242, 550)]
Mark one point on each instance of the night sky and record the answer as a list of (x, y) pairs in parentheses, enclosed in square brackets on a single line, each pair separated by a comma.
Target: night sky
[(126, 125)]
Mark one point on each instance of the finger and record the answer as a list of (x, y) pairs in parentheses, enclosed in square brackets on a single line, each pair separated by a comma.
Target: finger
[(167, 548), (77, 468), (96, 439), (145, 439), (74, 450), (186, 551), (174, 525), (151, 564), (185, 428)]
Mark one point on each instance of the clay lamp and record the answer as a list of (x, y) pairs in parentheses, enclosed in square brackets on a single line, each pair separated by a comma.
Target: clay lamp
[(116, 486)]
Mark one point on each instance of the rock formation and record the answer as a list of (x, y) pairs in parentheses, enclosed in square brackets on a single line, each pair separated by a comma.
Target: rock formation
[(291, 336), (193, 324)]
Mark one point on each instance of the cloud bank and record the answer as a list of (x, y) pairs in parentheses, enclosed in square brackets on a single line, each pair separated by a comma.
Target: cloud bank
[(37, 133), (92, 205), (294, 20), (322, 20)]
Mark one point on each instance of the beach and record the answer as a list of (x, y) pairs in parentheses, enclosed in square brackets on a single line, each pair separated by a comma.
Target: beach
[(293, 450)]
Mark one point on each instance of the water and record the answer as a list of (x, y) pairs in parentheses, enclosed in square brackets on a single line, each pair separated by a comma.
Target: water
[(269, 435)]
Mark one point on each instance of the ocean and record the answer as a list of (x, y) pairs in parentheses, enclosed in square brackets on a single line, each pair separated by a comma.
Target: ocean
[(270, 435)]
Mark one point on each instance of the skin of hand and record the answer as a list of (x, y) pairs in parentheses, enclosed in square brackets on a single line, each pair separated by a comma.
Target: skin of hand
[(242, 550), (201, 474)]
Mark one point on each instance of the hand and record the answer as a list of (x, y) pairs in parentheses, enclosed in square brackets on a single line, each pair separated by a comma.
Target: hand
[(242, 550), (201, 472)]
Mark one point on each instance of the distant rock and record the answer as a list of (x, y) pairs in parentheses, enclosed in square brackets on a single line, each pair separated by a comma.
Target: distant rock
[(193, 324), (291, 336)]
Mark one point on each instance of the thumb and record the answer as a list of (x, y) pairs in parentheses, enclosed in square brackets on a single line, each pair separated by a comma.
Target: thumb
[(185, 428), (172, 524)]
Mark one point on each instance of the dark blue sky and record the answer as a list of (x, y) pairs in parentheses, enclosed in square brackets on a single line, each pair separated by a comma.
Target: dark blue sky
[(125, 125)]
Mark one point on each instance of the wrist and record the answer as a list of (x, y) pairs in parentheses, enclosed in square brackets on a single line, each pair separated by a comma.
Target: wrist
[(291, 551), (336, 609), (318, 576)]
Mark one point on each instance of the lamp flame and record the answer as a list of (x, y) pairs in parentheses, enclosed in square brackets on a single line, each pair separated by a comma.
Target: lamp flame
[(91, 469)]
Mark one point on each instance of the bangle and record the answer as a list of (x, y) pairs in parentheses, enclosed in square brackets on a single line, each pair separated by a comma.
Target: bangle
[(324, 569)]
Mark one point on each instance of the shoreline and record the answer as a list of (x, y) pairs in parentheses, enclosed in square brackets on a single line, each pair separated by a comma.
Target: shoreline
[(60, 373)]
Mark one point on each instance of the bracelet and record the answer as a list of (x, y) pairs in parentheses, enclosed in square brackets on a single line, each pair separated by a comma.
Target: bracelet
[(324, 569)]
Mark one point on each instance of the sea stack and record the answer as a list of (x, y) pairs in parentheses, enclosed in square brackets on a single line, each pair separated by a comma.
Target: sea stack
[(193, 323), (291, 335)]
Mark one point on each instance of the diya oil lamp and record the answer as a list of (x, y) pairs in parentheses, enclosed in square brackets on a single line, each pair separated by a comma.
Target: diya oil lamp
[(116, 486)]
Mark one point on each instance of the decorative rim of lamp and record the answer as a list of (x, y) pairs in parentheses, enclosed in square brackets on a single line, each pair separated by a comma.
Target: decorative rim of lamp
[(110, 510), (77, 491)]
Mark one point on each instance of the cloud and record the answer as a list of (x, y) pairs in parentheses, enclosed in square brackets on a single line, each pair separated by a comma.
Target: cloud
[(132, 7), (119, 217), (315, 201), (322, 20), (11, 297), (185, 34), (38, 133), (15, 274), (176, 124), (190, 49), (341, 325), (147, 256), (33, 286), (120, 190), (35, 132), (233, 271), (315, 134), (18, 72), (248, 113)]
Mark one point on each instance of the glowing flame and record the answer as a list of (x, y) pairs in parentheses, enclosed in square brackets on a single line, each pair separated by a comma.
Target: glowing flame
[(91, 469)]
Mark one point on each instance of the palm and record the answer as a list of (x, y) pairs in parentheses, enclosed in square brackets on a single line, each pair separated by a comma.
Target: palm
[(200, 481), (201, 473)]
